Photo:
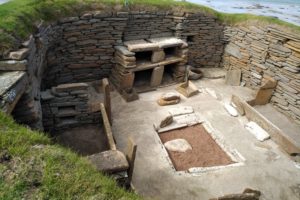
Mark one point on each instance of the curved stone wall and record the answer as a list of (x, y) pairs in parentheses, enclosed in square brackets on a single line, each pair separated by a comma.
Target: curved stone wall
[(81, 49)]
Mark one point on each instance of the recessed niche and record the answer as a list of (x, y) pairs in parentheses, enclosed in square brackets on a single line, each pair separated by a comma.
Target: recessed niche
[(168, 76), (171, 51), (144, 56), (142, 78), (190, 38)]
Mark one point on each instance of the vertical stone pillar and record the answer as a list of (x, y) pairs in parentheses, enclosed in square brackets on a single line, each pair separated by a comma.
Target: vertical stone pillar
[(127, 80), (157, 75), (107, 102)]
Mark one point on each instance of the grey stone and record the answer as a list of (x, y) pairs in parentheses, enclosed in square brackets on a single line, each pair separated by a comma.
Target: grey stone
[(233, 77), (178, 145), (13, 65), (109, 161), (19, 55), (233, 50)]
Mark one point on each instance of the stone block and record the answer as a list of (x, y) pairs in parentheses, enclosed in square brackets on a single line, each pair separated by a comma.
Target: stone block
[(71, 87), (109, 161), (127, 80), (157, 75), (157, 56), (233, 77), (13, 65), (19, 55)]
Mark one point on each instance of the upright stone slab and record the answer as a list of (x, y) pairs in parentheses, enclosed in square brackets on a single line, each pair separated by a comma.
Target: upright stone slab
[(157, 56), (233, 77), (127, 80), (157, 76)]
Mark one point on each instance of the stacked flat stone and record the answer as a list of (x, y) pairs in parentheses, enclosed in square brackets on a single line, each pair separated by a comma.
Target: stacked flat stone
[(262, 52), (123, 74), (204, 35), (85, 49), (66, 106), (143, 25)]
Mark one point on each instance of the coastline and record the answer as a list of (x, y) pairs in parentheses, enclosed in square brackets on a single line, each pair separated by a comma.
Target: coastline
[(286, 11)]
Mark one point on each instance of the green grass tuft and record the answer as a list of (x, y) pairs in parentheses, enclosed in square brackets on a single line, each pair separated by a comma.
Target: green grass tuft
[(18, 17), (31, 167)]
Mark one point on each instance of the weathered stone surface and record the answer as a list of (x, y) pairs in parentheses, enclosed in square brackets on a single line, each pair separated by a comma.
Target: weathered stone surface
[(166, 42), (233, 77), (46, 95), (178, 145), (109, 161), (13, 65), (19, 55), (166, 121), (157, 75), (170, 96), (123, 50), (162, 102), (157, 56), (233, 50), (140, 45), (71, 86)]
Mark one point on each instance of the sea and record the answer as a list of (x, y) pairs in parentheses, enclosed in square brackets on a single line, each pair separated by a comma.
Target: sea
[(286, 10)]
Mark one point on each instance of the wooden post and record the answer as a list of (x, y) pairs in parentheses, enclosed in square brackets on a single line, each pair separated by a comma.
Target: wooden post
[(107, 128), (107, 103)]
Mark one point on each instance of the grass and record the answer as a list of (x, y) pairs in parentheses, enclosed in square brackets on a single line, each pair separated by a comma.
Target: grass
[(18, 18), (31, 167)]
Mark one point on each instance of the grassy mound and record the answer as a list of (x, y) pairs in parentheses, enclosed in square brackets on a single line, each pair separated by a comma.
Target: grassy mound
[(18, 18), (31, 167)]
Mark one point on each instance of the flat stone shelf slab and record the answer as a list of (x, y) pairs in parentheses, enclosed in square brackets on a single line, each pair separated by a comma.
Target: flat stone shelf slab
[(12, 86), (8, 79), (167, 42), (140, 45), (109, 161), (149, 65)]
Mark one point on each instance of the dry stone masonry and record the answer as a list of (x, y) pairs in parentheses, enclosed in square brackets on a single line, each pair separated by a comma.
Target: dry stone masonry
[(66, 106), (97, 44), (156, 55), (267, 52)]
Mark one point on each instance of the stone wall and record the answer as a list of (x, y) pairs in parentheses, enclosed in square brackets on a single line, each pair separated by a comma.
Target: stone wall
[(84, 51), (205, 38), (81, 49), (66, 106), (31, 58), (261, 52)]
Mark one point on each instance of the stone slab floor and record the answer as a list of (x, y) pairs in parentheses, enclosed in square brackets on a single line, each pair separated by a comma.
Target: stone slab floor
[(266, 167)]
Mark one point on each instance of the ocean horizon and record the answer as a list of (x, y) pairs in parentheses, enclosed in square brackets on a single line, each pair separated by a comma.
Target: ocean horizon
[(286, 10)]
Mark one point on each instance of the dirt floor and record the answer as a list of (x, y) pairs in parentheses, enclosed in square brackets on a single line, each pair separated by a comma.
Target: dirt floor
[(205, 153), (85, 140)]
